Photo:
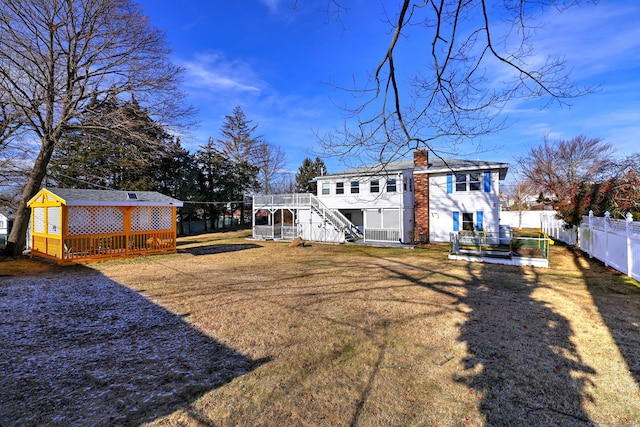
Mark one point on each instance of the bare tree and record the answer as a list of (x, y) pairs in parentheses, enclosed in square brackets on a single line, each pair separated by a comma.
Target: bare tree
[(473, 56), (270, 160), (560, 168), (57, 55), (519, 195)]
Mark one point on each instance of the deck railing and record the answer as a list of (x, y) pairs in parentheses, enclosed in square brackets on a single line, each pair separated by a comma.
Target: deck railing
[(91, 247), (381, 235)]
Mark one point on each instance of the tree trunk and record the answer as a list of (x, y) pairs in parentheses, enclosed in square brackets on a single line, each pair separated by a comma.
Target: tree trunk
[(17, 237)]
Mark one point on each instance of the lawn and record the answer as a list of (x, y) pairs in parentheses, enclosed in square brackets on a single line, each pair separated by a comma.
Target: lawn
[(230, 331)]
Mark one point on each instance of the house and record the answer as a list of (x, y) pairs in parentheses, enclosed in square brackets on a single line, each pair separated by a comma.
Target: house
[(6, 222), (76, 226), (419, 200)]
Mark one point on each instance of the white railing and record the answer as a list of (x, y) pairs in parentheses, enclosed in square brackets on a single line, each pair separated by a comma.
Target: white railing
[(381, 235), (302, 200), (263, 232), (289, 232), (297, 200), (335, 217)]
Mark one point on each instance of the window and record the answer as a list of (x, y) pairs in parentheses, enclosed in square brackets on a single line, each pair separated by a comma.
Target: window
[(391, 185), (339, 187), (467, 221), (374, 186), (355, 187), (461, 182), (325, 188), (474, 182), (470, 182)]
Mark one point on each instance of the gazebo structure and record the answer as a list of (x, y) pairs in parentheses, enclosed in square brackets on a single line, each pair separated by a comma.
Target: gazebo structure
[(80, 226)]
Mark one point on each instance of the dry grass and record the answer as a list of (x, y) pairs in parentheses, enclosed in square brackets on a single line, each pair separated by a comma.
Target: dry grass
[(351, 335)]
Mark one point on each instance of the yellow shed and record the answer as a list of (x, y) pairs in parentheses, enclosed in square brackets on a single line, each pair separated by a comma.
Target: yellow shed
[(79, 226)]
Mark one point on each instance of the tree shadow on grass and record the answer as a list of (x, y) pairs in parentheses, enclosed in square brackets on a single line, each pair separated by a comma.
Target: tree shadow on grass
[(618, 303), (520, 355), (520, 352), (80, 349)]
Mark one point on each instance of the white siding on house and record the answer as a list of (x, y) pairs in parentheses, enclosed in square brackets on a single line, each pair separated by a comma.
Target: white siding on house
[(442, 205), (312, 228), (364, 198), (395, 206), (3, 224)]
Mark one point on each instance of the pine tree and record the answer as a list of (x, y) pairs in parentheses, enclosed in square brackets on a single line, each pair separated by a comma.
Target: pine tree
[(307, 172)]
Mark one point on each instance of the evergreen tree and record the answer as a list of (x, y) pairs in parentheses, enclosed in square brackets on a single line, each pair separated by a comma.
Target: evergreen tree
[(124, 157), (309, 170), (242, 149), (238, 142)]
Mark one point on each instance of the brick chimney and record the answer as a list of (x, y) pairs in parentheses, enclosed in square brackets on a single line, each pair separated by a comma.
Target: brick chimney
[(421, 196)]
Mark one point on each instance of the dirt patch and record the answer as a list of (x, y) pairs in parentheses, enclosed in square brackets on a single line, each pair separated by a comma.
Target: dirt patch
[(22, 266)]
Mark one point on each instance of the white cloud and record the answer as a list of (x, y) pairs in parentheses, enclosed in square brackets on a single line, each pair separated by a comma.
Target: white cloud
[(593, 39), (273, 5), (213, 72)]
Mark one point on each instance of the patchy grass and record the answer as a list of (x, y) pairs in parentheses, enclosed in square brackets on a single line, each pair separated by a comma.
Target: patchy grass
[(20, 266), (352, 335)]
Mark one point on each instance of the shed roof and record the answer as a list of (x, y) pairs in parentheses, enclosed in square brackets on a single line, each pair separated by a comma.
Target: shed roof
[(78, 197)]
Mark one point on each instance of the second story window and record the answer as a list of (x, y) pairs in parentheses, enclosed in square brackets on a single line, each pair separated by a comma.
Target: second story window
[(375, 186), (325, 188), (355, 187), (391, 185), (461, 182), (339, 187), (474, 182)]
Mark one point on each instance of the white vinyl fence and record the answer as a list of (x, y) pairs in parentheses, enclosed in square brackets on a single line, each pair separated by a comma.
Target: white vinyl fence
[(615, 242), (555, 228), (525, 219)]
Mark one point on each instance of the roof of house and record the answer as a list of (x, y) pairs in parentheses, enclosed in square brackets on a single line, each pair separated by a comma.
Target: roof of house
[(7, 212), (77, 197), (436, 165)]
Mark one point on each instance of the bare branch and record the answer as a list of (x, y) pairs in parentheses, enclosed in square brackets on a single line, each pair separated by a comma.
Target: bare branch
[(458, 95)]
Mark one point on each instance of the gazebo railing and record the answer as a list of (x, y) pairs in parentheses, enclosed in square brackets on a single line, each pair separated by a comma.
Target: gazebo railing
[(94, 246)]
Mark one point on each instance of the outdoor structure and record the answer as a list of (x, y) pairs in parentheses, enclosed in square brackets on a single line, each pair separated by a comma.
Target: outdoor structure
[(6, 222), (78, 226), (397, 203)]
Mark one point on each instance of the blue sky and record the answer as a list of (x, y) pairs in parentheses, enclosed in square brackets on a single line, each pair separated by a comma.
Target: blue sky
[(280, 65)]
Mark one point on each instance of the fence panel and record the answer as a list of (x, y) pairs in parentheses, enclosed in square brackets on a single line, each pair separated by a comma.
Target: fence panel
[(616, 255), (634, 258), (613, 241), (555, 227)]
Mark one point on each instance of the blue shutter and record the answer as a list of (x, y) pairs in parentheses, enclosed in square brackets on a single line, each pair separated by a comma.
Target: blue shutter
[(487, 182), (456, 221), (479, 220), (449, 183)]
